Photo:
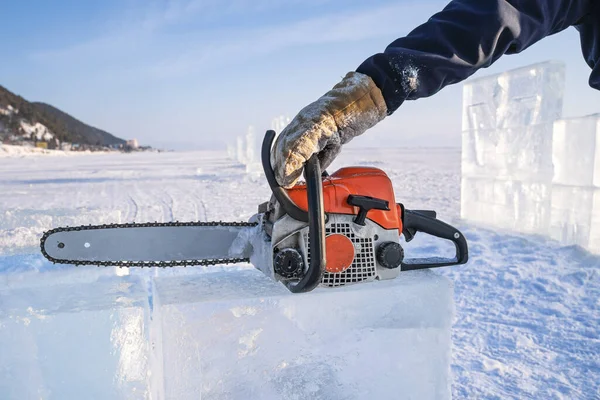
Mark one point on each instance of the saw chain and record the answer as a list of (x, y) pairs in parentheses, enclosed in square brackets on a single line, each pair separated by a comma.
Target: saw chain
[(150, 264)]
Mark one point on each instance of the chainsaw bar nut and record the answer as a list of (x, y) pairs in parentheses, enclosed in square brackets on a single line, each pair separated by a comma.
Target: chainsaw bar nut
[(288, 263)]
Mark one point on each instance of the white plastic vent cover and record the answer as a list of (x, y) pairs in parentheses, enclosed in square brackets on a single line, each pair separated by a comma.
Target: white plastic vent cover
[(363, 267)]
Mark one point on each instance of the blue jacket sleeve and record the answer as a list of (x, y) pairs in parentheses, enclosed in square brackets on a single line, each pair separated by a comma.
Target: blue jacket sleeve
[(471, 34)]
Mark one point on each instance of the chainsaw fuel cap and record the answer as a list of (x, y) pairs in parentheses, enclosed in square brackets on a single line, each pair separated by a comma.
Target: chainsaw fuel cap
[(340, 253)]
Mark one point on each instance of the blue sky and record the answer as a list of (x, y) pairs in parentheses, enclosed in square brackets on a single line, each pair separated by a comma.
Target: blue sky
[(198, 72)]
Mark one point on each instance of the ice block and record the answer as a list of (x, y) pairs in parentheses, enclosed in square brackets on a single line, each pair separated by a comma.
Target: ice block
[(576, 151), (238, 335), (525, 96), (507, 123), (523, 153), (508, 204), (594, 243), (74, 340), (575, 218)]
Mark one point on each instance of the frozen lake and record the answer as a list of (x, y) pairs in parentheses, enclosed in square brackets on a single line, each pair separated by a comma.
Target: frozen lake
[(527, 309)]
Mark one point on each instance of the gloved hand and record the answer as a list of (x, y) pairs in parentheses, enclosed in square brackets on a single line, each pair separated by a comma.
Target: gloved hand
[(350, 108)]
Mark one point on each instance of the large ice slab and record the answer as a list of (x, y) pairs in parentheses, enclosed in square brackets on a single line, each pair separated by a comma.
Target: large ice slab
[(568, 214), (507, 122), (594, 243), (530, 95), (74, 340), (576, 151), (575, 217), (509, 204), (524, 168), (238, 335), (523, 153)]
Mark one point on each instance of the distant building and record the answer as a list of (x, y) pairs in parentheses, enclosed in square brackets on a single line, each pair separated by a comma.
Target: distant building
[(132, 144)]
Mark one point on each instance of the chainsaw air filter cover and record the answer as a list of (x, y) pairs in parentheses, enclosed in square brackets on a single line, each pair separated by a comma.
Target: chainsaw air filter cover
[(364, 192)]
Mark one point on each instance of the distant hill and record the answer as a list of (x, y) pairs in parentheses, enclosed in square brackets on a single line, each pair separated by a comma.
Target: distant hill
[(19, 117), (77, 128)]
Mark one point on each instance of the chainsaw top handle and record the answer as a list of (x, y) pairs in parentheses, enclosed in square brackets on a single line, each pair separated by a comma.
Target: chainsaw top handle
[(315, 215)]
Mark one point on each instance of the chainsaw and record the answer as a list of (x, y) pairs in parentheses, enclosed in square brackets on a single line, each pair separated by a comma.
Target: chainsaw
[(328, 231)]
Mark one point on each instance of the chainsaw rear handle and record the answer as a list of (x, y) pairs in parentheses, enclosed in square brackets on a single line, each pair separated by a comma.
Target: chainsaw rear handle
[(315, 215), (418, 221)]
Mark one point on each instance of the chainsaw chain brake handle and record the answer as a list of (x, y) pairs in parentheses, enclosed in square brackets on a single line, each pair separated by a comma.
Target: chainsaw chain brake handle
[(425, 221), (315, 215)]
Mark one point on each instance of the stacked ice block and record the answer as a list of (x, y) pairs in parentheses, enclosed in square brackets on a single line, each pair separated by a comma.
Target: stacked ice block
[(507, 123), (239, 335), (244, 151), (74, 336), (523, 167), (507, 146), (576, 151), (575, 216), (231, 334)]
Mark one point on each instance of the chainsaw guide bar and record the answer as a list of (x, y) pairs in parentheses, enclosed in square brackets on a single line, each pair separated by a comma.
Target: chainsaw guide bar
[(130, 263)]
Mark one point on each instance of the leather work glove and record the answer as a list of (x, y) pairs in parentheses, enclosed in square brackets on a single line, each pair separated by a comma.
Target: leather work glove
[(351, 107)]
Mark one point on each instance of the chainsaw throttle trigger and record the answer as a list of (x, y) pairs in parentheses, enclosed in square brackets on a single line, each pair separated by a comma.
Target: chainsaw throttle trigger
[(366, 204), (410, 232)]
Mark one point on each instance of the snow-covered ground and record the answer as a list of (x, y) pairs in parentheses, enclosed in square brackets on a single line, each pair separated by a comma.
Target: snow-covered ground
[(527, 310)]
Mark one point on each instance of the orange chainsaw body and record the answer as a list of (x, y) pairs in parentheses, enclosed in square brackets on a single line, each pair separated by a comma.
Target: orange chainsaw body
[(363, 181)]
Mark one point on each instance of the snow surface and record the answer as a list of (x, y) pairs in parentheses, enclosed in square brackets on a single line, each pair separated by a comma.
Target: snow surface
[(527, 317)]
